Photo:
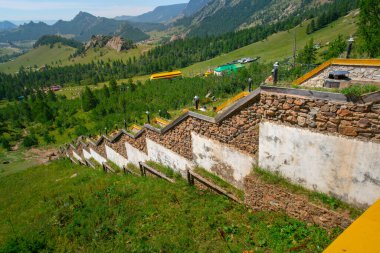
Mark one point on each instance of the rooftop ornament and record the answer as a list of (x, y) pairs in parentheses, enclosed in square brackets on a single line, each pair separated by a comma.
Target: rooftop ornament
[(148, 116), (196, 102), (349, 48), (275, 72), (249, 84)]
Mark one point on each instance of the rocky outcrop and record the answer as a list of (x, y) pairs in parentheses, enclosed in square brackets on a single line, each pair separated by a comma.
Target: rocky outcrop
[(116, 43)]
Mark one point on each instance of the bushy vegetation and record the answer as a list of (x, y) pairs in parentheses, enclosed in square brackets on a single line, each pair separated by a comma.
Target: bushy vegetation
[(356, 90), (369, 27), (66, 208), (50, 117)]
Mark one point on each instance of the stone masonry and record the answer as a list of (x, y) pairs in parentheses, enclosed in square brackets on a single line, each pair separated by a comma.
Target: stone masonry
[(357, 75)]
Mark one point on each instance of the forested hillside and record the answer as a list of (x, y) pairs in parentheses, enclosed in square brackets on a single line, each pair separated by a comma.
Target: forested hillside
[(219, 17)]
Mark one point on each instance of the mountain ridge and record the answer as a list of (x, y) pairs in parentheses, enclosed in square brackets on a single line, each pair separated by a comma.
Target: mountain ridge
[(7, 25), (81, 27), (160, 14)]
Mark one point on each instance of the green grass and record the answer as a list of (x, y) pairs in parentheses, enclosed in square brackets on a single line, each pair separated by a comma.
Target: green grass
[(220, 182), (358, 90), (15, 161), (316, 197), (169, 172), (66, 208), (280, 45), (40, 56)]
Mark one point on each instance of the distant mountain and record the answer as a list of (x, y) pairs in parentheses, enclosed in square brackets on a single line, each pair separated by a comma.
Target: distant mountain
[(82, 27), (147, 27), (194, 6), (6, 25), (161, 14)]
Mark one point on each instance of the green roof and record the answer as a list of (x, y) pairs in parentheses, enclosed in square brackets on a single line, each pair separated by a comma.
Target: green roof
[(229, 67)]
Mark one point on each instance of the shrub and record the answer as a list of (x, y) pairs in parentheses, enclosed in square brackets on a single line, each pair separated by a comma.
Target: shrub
[(29, 141), (353, 92)]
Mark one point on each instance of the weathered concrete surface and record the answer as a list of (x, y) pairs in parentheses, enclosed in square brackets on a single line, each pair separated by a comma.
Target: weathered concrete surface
[(100, 159), (346, 168), (160, 154), (86, 154), (115, 157), (134, 155), (228, 163), (76, 156)]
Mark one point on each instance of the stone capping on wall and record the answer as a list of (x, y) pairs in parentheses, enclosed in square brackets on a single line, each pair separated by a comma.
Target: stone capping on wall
[(337, 62), (328, 96)]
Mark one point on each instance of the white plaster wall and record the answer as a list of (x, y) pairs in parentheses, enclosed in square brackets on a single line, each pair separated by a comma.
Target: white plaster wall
[(100, 159), (160, 154), (115, 157), (346, 168), (86, 154), (134, 155), (209, 154), (76, 156)]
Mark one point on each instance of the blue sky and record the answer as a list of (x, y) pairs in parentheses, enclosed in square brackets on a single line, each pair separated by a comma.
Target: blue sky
[(67, 9)]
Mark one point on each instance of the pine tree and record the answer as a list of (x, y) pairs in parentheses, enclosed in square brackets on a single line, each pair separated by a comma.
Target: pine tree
[(113, 85), (336, 47), (369, 27), (308, 54), (89, 100)]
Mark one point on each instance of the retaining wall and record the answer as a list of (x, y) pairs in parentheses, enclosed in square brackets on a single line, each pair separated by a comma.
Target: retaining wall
[(228, 145)]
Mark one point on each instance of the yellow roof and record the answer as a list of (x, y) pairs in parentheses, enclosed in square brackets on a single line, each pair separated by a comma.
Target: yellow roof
[(163, 74), (362, 236)]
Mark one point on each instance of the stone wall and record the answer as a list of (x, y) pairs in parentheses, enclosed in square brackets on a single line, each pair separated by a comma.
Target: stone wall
[(224, 161), (234, 135), (357, 74), (135, 155), (361, 121), (100, 159), (167, 157), (261, 196), (116, 157)]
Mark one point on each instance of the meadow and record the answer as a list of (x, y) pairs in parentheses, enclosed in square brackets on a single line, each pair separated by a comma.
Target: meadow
[(63, 207)]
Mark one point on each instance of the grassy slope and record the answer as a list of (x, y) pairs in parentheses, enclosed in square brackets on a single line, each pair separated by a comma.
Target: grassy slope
[(39, 56), (72, 208), (59, 56), (279, 45)]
